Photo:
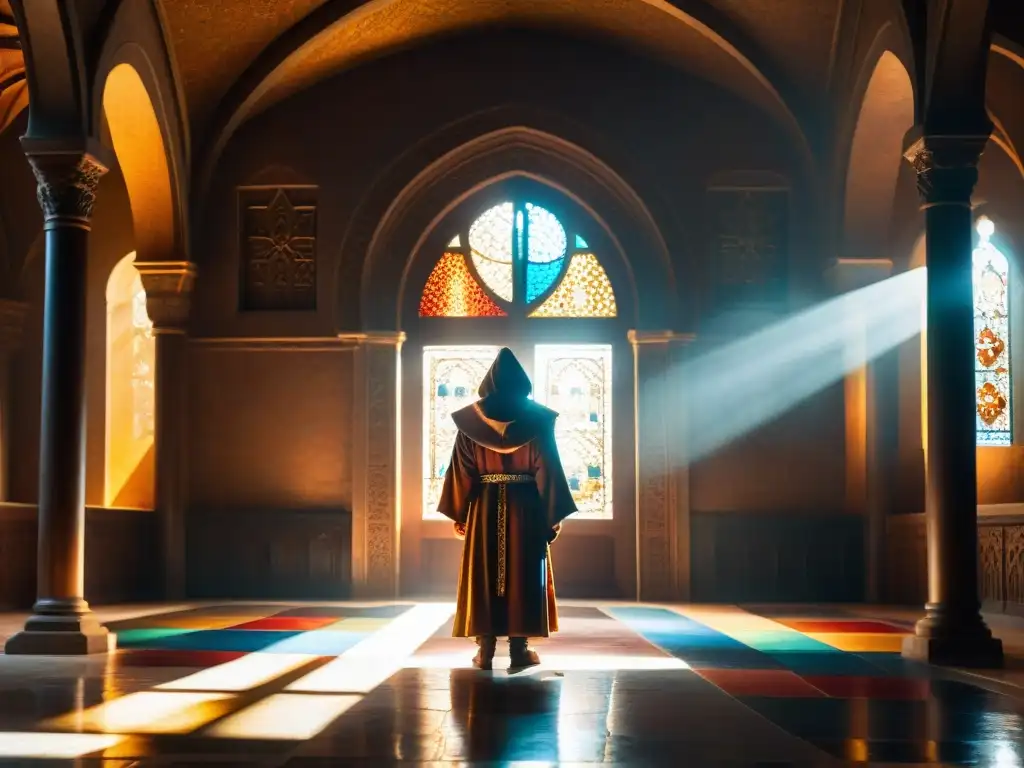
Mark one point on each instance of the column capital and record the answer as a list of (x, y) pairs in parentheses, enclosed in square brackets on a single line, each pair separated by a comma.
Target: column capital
[(12, 323), (637, 338), (168, 287), (67, 175), (946, 166)]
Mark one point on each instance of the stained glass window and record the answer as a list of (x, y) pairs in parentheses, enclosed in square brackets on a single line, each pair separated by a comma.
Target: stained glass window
[(451, 291), (992, 339), (451, 378), (585, 291), (143, 353), (518, 253), (576, 381)]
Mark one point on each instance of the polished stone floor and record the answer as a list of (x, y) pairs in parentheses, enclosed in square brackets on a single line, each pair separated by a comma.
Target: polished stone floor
[(384, 684)]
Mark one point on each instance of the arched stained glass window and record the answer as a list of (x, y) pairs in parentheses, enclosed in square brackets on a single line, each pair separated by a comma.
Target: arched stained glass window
[(992, 339), (518, 254)]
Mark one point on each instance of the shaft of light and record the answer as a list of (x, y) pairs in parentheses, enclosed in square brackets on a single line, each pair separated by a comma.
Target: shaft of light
[(728, 392)]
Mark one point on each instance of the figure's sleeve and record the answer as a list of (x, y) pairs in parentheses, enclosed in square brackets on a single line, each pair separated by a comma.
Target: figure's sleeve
[(460, 481), (555, 497)]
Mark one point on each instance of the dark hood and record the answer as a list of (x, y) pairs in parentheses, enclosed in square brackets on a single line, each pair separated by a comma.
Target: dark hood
[(504, 419)]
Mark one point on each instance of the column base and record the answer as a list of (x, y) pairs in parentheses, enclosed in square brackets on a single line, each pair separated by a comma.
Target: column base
[(69, 635), (957, 651)]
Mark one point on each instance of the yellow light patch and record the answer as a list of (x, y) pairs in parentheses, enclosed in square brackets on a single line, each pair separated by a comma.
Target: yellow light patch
[(286, 716), (150, 712), (55, 746), (860, 641)]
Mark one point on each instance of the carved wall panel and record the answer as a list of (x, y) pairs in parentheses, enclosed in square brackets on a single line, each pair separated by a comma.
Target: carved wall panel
[(375, 514), (1013, 558), (990, 565), (655, 488), (749, 244), (278, 248)]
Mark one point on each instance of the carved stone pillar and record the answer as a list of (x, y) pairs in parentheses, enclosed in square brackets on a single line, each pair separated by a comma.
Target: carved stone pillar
[(871, 401), (952, 631), (662, 474), (62, 623), (376, 465), (12, 320), (168, 286)]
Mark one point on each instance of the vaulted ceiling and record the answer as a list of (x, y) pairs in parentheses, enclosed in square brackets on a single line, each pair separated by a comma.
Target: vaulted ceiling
[(754, 47), (13, 87)]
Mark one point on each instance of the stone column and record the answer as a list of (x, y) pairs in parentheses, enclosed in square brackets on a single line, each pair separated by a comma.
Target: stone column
[(12, 320), (168, 287), (662, 474), (376, 465), (952, 631), (871, 402), (62, 623)]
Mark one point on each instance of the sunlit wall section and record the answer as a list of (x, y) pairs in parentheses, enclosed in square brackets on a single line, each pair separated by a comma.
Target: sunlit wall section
[(576, 381), (992, 339), (130, 402), (451, 377)]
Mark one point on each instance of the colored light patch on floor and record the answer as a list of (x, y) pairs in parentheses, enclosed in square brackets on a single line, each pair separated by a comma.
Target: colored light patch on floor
[(695, 643), (788, 647), (320, 642), (242, 640), (857, 642), (761, 682), (180, 622), (346, 611), (357, 625), (139, 638), (286, 624), (841, 627)]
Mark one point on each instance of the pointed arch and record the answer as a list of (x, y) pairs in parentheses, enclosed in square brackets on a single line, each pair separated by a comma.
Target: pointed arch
[(400, 230)]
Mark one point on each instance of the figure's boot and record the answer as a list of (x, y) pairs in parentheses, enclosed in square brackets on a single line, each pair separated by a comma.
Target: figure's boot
[(522, 656), (484, 658)]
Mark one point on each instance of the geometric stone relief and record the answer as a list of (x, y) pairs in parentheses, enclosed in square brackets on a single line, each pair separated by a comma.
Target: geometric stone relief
[(278, 248), (749, 245)]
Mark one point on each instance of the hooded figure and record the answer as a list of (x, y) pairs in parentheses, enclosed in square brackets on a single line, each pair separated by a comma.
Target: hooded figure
[(507, 494)]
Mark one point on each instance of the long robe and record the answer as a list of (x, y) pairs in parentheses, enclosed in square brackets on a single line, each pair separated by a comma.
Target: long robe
[(505, 433)]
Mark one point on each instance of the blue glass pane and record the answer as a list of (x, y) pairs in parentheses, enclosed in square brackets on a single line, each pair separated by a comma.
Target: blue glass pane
[(581, 243), (540, 277)]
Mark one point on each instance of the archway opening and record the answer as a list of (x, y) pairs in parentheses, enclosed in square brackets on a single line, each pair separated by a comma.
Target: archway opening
[(131, 362), (886, 114), (141, 153), (518, 265)]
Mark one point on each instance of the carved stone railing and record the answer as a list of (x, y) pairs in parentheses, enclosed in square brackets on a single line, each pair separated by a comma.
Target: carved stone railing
[(1000, 558)]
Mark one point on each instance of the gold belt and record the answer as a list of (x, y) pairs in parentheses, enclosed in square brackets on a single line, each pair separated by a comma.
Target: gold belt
[(502, 481)]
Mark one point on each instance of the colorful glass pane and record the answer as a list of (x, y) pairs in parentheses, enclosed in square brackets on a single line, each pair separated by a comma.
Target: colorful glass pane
[(581, 243), (451, 378), (585, 291), (540, 277), (143, 364), (992, 340), (546, 236), (490, 244), (576, 381), (452, 291)]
